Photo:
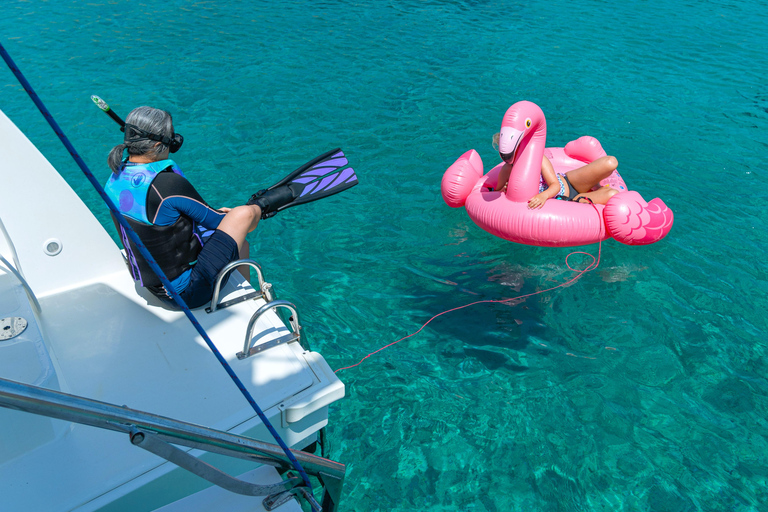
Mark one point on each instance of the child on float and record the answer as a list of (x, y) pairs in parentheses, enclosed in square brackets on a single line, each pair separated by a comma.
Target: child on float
[(571, 186)]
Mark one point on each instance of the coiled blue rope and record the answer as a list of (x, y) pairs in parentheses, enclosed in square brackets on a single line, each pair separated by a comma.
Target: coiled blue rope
[(152, 263)]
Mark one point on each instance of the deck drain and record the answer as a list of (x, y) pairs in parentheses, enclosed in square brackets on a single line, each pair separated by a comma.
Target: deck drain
[(11, 326)]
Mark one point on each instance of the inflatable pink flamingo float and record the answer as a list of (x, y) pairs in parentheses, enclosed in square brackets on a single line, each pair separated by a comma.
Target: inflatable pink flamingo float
[(626, 217)]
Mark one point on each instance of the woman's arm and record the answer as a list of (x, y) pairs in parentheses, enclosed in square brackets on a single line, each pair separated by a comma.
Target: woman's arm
[(172, 195)]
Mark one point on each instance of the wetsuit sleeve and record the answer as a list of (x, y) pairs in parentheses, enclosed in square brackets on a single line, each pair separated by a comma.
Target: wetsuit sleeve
[(171, 195)]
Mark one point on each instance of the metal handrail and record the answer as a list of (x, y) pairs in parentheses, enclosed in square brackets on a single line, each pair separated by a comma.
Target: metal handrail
[(288, 338), (77, 409), (265, 288), (17, 272)]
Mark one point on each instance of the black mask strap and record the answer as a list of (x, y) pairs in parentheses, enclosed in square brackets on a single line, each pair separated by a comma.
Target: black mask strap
[(134, 134)]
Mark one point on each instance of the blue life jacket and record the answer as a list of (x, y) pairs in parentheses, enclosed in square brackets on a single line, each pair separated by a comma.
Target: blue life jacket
[(129, 187), (174, 248)]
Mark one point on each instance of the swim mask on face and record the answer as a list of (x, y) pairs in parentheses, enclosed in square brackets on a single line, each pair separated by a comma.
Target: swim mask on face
[(134, 134)]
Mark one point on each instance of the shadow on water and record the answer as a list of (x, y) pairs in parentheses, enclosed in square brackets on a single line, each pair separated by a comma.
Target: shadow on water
[(494, 334)]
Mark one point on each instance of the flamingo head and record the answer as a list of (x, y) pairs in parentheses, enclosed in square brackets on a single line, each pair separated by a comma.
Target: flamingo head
[(521, 120)]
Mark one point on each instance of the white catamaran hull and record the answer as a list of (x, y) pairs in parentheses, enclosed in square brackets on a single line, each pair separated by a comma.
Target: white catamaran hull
[(96, 335)]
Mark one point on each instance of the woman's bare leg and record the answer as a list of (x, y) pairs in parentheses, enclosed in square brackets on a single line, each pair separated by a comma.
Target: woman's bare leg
[(245, 253), (237, 223), (584, 178)]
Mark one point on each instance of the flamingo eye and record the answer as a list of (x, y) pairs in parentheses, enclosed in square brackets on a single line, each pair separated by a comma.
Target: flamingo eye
[(528, 123)]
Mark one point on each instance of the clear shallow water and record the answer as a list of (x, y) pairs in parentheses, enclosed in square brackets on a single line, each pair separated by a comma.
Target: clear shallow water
[(640, 387)]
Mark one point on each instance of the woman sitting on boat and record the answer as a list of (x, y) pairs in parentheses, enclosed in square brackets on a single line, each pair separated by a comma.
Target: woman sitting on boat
[(190, 241), (165, 210)]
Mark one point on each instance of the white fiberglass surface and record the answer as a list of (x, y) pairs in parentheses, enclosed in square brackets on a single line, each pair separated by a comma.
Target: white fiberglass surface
[(38, 209), (112, 348), (104, 340)]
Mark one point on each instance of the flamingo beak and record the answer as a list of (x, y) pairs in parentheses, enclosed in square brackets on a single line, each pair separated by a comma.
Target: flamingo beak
[(509, 140)]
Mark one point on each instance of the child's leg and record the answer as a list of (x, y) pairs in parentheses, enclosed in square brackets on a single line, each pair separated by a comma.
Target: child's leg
[(599, 196), (584, 178)]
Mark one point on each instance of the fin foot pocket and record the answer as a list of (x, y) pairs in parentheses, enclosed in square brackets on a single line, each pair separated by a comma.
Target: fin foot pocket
[(270, 201), (323, 176)]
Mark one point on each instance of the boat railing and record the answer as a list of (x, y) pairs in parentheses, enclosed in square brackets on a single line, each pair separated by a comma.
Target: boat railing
[(17, 271), (158, 435), (291, 337), (264, 291)]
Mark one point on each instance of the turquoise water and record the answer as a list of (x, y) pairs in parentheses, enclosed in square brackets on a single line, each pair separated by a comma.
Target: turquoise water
[(639, 387)]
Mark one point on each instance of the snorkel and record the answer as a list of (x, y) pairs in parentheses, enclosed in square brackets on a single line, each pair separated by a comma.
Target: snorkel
[(111, 113), (135, 133)]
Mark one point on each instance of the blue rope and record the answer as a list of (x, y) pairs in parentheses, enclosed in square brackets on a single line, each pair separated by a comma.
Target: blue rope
[(152, 263)]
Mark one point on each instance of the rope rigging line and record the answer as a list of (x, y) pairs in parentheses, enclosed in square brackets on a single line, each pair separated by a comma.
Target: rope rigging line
[(592, 266), (152, 263)]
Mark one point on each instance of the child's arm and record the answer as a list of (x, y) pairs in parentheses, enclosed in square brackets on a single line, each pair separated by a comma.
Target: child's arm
[(553, 188), (503, 177)]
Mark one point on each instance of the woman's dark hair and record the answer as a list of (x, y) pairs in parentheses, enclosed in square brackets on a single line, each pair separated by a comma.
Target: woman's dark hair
[(152, 120)]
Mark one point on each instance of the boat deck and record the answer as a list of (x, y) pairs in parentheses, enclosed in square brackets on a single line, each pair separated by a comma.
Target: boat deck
[(98, 336)]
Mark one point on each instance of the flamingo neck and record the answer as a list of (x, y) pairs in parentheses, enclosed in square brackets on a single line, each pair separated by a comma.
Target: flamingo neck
[(526, 169)]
